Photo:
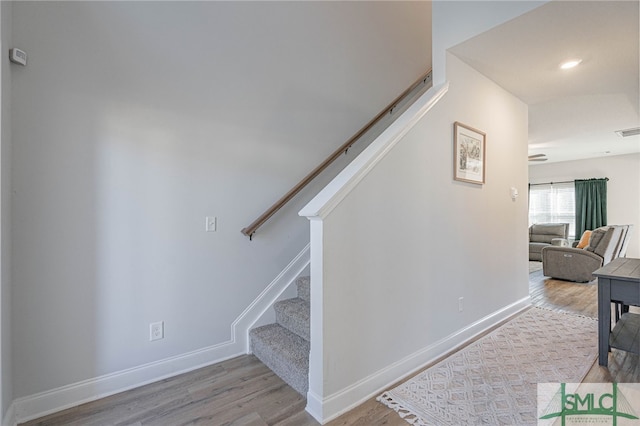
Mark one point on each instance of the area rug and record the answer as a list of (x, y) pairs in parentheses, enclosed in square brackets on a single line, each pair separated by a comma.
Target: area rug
[(493, 381), (534, 266)]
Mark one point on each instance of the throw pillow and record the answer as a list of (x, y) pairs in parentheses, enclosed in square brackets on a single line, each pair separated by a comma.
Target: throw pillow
[(584, 240)]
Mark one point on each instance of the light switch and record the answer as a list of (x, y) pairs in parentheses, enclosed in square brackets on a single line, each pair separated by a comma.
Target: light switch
[(210, 225), (514, 193)]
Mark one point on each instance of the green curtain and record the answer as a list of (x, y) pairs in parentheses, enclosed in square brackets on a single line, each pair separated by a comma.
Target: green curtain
[(591, 204)]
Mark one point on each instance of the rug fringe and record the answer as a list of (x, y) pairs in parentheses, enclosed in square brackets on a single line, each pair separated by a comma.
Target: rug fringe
[(406, 414), (571, 314)]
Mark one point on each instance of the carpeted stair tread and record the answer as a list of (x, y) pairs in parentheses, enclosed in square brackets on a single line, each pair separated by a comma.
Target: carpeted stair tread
[(284, 352), (293, 314), (303, 285)]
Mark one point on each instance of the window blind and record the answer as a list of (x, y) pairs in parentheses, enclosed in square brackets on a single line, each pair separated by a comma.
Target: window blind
[(553, 203)]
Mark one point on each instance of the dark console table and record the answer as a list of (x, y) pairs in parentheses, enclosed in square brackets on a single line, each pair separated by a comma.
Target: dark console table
[(618, 281)]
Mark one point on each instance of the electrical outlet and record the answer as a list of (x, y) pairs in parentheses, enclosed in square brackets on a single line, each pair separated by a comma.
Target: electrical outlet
[(156, 331), (210, 224), (460, 300)]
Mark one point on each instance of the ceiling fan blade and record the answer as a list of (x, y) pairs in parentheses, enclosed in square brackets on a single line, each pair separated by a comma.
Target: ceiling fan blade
[(538, 159), (537, 156)]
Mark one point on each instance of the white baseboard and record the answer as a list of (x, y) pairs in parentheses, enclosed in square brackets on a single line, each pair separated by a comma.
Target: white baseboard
[(314, 405), (48, 402), (327, 409)]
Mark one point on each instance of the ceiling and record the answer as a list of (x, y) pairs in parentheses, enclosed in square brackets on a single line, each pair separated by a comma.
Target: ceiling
[(573, 113)]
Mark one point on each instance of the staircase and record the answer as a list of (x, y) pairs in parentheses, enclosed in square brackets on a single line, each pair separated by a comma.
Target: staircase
[(284, 346)]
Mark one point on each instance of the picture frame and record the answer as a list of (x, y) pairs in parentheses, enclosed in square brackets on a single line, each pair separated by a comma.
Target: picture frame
[(469, 149)]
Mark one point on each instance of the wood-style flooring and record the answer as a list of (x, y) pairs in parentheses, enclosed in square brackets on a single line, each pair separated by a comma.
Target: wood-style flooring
[(244, 392)]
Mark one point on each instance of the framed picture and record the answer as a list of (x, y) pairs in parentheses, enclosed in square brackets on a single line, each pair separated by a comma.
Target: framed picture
[(469, 154)]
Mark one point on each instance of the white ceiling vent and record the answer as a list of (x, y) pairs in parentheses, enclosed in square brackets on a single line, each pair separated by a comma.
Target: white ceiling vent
[(629, 132)]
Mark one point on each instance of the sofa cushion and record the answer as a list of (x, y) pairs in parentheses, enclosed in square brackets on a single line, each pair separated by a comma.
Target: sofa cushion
[(537, 247)]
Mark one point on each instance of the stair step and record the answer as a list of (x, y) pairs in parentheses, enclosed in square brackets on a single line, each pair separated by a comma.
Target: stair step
[(284, 352), (293, 314), (304, 288)]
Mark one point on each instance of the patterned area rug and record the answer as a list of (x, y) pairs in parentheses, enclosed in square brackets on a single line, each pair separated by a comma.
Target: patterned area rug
[(534, 266), (494, 380)]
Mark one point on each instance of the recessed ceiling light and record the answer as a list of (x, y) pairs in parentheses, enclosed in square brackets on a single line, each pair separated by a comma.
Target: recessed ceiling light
[(570, 64)]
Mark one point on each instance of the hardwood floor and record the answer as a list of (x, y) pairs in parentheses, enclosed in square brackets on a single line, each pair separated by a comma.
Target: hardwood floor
[(244, 392), (241, 391)]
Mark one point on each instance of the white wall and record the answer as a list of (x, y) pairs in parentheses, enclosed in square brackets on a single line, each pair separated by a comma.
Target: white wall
[(135, 120), (412, 243), (408, 241), (5, 211), (458, 21), (623, 188)]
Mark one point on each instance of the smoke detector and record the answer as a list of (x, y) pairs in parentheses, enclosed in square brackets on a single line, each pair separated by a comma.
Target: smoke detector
[(628, 132)]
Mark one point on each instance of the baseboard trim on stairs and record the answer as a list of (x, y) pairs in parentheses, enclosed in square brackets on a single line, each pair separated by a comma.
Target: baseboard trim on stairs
[(54, 400), (270, 295), (333, 406)]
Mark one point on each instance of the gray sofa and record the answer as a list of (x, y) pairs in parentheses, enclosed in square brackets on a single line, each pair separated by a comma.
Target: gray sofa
[(574, 264), (541, 235)]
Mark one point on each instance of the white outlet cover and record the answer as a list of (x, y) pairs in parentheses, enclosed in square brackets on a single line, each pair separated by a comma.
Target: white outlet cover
[(156, 331)]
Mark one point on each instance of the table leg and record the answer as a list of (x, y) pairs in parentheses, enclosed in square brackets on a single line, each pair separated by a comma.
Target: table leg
[(604, 320)]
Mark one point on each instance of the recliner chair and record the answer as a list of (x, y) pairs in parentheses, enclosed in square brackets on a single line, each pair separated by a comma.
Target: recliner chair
[(574, 264), (542, 235)]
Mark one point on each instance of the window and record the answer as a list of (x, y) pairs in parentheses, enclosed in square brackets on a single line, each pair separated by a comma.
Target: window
[(553, 203)]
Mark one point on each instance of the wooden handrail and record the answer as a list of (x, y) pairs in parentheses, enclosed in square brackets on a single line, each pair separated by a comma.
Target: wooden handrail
[(251, 229)]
